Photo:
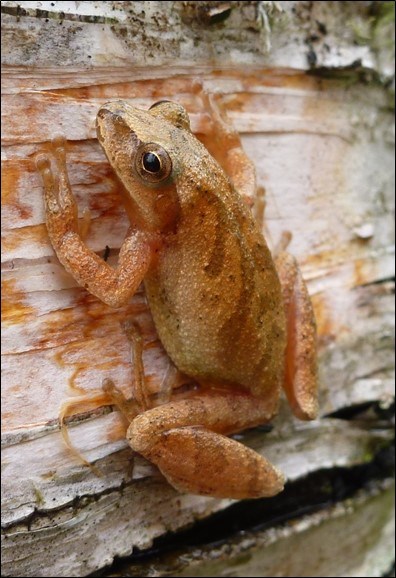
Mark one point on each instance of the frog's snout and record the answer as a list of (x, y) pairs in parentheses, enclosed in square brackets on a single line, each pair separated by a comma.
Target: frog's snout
[(113, 121), (115, 108)]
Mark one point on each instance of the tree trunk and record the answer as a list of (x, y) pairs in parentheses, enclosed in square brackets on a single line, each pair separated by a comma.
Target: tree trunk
[(309, 86)]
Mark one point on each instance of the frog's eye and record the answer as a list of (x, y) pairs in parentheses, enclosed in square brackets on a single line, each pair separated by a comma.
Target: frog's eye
[(152, 163)]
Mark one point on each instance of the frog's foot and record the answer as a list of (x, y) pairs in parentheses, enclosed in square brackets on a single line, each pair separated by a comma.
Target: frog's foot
[(186, 440), (223, 130), (61, 207), (128, 407), (80, 405), (63, 193), (301, 369)]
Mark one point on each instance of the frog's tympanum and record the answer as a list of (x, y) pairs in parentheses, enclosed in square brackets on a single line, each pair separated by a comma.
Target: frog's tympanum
[(236, 320)]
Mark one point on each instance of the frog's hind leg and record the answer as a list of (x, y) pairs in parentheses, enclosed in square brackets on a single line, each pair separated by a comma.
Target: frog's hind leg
[(300, 382), (187, 440), (80, 405)]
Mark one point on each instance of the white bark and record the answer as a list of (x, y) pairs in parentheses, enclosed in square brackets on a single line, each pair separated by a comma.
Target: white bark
[(323, 148)]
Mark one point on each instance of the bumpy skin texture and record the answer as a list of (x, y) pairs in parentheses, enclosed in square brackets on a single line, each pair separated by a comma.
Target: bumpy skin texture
[(213, 289)]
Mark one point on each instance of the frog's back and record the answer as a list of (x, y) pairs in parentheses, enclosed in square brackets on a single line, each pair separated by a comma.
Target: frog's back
[(216, 298)]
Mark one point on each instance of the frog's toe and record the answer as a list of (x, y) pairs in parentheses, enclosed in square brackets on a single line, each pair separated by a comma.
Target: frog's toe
[(43, 163), (59, 143)]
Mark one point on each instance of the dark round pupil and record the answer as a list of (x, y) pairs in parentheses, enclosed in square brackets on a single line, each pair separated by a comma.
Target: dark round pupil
[(151, 162)]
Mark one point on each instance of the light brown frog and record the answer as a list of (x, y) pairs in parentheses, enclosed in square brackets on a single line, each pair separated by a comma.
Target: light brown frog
[(232, 317)]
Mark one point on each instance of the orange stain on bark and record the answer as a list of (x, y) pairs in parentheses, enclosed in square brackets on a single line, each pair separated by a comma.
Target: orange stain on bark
[(14, 306)]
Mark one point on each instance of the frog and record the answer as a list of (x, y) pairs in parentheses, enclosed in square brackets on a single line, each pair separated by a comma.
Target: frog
[(233, 317)]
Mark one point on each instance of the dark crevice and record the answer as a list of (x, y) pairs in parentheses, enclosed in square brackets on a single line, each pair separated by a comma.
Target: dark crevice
[(374, 410), (306, 496), (355, 72), (391, 572), (382, 281)]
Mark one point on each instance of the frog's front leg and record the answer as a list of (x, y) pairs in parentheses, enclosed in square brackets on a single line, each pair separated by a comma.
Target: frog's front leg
[(226, 146), (186, 440), (113, 286), (301, 356)]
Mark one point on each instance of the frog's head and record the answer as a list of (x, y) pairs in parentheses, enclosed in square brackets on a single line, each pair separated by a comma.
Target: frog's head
[(147, 150)]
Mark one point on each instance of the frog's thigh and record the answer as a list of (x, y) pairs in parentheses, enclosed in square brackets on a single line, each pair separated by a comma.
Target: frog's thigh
[(301, 370), (185, 440)]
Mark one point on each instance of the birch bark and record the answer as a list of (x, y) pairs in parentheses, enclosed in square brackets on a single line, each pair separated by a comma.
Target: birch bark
[(309, 85)]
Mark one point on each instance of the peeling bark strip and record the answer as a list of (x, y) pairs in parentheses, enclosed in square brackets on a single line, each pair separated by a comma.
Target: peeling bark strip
[(308, 86), (18, 11)]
